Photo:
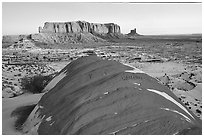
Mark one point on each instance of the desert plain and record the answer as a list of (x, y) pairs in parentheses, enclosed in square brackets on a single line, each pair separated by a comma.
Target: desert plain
[(174, 60)]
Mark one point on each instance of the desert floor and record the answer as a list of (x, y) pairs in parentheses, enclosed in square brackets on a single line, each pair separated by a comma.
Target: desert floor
[(179, 68), (192, 98)]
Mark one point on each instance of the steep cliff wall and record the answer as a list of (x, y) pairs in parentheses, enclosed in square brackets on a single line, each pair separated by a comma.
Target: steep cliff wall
[(79, 26)]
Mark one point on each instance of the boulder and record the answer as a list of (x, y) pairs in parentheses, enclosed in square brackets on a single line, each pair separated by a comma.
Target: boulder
[(17, 90), (185, 76), (165, 79), (92, 96), (7, 93)]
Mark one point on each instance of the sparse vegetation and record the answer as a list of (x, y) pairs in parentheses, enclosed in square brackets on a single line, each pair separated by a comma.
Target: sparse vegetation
[(6, 45), (36, 83)]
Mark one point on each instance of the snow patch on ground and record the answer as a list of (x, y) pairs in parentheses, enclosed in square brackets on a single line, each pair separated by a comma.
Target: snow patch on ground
[(54, 81), (178, 113), (52, 123), (170, 99), (49, 118), (33, 122), (41, 107), (135, 70), (137, 84)]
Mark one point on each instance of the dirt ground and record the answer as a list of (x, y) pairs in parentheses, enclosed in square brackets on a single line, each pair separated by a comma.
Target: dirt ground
[(180, 70)]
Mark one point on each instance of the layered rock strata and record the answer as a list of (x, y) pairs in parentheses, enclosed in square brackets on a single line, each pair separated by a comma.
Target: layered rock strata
[(79, 26), (95, 96)]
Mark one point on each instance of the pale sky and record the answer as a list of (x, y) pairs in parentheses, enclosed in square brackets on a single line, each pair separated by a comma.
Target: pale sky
[(149, 19)]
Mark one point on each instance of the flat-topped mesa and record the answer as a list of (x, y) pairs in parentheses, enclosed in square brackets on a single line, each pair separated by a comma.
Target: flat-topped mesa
[(79, 26)]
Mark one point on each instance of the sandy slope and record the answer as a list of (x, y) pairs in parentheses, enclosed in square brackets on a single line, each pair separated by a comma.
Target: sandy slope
[(9, 105), (159, 69)]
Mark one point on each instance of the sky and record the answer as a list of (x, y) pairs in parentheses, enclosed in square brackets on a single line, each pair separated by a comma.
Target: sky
[(147, 18)]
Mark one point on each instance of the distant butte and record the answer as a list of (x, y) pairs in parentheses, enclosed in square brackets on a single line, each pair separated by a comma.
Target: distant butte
[(79, 26), (133, 33), (74, 32)]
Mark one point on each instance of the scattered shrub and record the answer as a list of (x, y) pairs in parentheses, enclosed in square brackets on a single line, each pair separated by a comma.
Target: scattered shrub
[(36, 83), (6, 45)]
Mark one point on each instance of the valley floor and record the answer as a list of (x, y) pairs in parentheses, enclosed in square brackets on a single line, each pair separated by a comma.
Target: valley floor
[(180, 71)]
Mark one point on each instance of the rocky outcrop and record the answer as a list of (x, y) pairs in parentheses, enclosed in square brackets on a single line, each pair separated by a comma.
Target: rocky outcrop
[(133, 32), (95, 96), (76, 32), (69, 32), (79, 26)]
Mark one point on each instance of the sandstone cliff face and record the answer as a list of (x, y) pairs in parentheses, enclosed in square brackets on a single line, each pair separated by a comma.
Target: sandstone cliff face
[(71, 32), (79, 26)]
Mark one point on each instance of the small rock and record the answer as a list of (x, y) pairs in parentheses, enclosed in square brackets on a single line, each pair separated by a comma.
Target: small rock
[(198, 111), (7, 93)]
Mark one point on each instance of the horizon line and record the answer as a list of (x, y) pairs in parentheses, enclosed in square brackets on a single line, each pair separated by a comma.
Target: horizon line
[(121, 33)]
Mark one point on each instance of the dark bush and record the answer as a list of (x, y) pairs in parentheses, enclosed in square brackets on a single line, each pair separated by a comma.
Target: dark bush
[(36, 83)]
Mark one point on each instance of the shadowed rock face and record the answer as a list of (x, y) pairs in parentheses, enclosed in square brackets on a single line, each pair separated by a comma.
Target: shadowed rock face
[(95, 96), (133, 33), (79, 26)]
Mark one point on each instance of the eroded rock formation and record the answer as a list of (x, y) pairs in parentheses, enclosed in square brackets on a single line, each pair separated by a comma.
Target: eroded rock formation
[(95, 96), (133, 32), (70, 32), (79, 26)]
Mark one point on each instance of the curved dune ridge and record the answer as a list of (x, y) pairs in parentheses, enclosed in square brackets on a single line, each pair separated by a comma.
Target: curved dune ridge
[(95, 96)]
